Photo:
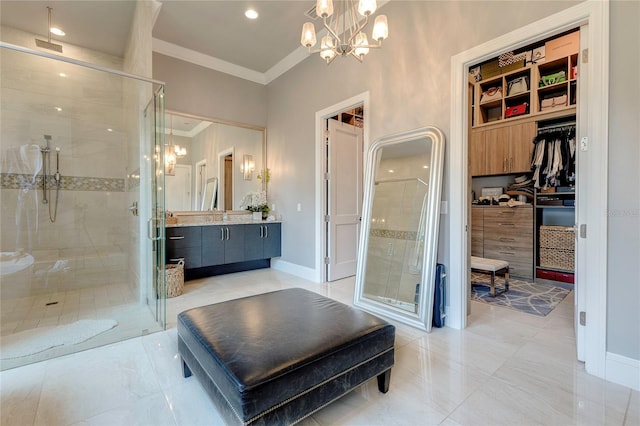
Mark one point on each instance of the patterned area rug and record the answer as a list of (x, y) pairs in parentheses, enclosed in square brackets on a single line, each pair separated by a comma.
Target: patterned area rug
[(531, 298)]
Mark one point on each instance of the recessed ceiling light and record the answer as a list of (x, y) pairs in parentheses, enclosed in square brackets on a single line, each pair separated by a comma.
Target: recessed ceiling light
[(62, 74), (251, 14), (109, 130), (58, 109), (57, 31)]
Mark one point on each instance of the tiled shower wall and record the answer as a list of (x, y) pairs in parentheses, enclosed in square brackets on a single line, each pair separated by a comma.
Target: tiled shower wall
[(83, 112), (394, 260)]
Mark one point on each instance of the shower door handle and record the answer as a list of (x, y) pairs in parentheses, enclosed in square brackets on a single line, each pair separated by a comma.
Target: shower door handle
[(133, 208), (150, 229)]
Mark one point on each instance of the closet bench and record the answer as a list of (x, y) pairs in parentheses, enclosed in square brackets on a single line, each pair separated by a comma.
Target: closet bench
[(493, 267), (276, 358)]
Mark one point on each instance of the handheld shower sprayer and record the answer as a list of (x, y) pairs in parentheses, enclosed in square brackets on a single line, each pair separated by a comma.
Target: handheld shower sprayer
[(57, 176), (46, 174)]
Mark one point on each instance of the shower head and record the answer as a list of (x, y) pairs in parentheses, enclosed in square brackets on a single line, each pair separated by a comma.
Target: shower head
[(46, 44)]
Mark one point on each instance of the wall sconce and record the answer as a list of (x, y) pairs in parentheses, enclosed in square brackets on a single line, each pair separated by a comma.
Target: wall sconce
[(247, 166)]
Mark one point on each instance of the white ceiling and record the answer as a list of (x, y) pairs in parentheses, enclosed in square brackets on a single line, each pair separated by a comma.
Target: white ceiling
[(216, 29)]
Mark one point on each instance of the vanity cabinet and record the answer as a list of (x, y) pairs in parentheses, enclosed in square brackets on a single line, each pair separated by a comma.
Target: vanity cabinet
[(504, 233), (217, 249), (222, 244), (262, 241), (184, 244)]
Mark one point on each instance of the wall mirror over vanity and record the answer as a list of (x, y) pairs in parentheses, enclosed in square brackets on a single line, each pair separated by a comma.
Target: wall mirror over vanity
[(210, 166)]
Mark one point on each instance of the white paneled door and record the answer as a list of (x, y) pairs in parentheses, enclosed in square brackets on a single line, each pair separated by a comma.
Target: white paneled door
[(179, 186), (344, 199)]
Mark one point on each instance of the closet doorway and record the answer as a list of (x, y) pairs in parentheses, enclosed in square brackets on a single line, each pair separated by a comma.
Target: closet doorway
[(591, 268), (341, 135)]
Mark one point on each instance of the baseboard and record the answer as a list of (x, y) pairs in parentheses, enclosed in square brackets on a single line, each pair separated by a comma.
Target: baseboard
[(623, 370), (297, 270)]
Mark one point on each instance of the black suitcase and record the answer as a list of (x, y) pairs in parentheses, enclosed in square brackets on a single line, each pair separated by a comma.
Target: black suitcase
[(439, 296)]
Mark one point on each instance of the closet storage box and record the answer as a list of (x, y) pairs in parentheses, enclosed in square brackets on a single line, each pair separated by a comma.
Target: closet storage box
[(557, 247), (562, 46)]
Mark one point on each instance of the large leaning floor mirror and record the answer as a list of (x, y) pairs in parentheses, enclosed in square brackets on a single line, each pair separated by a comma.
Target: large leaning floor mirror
[(211, 164), (399, 239)]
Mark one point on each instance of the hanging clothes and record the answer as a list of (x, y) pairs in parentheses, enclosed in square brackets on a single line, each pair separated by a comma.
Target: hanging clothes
[(553, 158)]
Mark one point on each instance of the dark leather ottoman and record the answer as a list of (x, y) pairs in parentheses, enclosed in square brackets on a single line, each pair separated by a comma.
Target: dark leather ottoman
[(278, 357)]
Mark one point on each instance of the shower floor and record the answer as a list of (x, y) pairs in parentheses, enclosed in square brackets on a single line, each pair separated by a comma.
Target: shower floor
[(117, 302)]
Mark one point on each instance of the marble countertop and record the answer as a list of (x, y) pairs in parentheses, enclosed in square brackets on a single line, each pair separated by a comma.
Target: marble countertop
[(234, 221)]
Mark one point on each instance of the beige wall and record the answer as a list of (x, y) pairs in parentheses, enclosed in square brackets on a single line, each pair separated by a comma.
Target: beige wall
[(196, 90), (409, 85), (623, 290)]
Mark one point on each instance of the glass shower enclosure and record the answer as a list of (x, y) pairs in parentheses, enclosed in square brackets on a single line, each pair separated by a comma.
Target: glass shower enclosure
[(82, 208)]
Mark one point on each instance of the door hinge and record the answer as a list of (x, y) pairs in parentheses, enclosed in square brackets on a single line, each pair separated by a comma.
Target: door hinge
[(583, 318), (326, 260), (327, 218), (583, 230), (585, 56), (327, 176), (327, 133)]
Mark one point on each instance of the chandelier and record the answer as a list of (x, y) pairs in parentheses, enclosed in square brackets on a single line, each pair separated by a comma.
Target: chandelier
[(172, 153), (345, 34)]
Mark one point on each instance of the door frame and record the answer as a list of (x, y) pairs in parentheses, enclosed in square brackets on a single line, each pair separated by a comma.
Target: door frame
[(321, 158), (221, 181), (591, 269), (199, 185)]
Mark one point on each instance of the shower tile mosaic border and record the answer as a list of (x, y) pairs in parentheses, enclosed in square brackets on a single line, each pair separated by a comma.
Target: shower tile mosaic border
[(394, 234), (133, 179), (67, 183)]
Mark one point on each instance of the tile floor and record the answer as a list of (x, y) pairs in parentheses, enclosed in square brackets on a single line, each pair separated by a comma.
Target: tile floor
[(506, 368), (115, 301)]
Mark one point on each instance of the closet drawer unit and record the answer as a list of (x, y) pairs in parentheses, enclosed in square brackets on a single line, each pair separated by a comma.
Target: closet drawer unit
[(508, 221), (508, 235), (520, 261), (477, 231)]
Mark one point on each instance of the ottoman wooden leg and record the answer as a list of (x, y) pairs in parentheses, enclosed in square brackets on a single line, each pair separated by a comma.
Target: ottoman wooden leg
[(383, 381)]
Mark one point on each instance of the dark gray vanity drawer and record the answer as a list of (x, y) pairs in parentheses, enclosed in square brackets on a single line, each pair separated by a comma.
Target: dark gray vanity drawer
[(192, 256), (188, 236)]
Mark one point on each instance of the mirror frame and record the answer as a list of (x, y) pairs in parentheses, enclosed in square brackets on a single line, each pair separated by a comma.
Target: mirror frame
[(261, 129), (210, 183), (423, 318)]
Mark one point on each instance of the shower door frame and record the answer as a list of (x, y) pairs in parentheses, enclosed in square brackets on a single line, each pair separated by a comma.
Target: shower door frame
[(152, 169)]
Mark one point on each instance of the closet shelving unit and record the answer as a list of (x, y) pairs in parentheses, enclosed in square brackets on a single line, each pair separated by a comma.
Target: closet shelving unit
[(501, 145), (554, 229)]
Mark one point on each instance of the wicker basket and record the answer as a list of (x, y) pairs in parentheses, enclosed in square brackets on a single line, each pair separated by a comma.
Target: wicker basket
[(175, 279), (557, 258), (557, 237)]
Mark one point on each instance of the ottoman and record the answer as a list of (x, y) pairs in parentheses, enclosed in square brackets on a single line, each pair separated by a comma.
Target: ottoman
[(278, 357)]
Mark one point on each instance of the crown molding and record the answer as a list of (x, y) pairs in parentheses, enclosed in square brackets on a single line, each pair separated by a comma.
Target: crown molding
[(188, 55)]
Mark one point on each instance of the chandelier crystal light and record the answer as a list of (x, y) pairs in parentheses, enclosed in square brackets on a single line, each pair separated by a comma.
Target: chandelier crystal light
[(345, 34)]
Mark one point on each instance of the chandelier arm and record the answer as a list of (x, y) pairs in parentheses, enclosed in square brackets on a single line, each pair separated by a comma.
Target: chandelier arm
[(331, 31), (353, 53), (358, 29)]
